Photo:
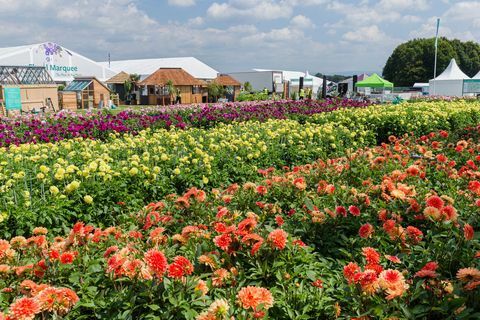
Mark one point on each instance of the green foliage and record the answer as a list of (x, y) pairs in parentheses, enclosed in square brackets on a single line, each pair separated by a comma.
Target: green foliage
[(215, 91), (413, 61), (256, 96), (334, 77), (247, 87)]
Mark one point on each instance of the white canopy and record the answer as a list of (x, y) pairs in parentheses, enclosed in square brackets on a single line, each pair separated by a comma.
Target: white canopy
[(477, 76), (449, 82), (452, 72)]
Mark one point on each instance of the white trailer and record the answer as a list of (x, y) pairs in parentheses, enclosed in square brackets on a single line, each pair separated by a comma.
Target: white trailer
[(260, 80)]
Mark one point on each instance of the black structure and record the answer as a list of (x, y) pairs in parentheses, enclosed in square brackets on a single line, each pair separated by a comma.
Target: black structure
[(354, 82), (324, 87), (18, 75)]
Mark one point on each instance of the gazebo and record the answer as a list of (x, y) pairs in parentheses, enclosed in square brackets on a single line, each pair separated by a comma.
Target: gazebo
[(374, 81)]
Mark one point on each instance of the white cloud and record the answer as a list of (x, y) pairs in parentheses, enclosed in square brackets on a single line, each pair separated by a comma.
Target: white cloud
[(365, 34), (300, 21), (262, 9), (181, 3), (404, 4), (197, 21)]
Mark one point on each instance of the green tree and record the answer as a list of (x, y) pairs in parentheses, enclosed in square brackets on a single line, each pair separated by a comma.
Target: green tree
[(171, 91), (131, 84), (413, 61), (247, 86), (215, 90), (333, 77)]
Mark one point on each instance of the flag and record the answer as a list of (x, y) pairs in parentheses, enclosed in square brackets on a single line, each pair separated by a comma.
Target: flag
[(436, 34)]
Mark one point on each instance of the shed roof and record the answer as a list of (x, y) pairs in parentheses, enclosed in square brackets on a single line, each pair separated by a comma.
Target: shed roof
[(81, 83), (226, 80), (18, 75), (119, 78), (178, 76)]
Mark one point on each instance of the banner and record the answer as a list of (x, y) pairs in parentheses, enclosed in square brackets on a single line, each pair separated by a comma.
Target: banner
[(13, 100)]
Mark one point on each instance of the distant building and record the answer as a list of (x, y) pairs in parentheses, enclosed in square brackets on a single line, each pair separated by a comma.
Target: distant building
[(155, 90), (260, 80), (63, 64), (145, 67)]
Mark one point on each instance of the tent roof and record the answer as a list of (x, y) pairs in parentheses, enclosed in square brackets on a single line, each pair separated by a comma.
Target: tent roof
[(192, 65), (477, 76), (452, 72), (374, 81), (178, 76)]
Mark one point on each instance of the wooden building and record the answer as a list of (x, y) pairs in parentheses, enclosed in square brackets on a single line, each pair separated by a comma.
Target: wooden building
[(155, 88), (27, 89), (231, 86), (84, 93), (117, 85)]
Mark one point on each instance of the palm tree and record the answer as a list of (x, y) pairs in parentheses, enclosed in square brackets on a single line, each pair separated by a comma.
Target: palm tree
[(131, 85), (171, 90)]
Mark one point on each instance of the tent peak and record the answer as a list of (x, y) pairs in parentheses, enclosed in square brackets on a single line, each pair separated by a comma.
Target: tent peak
[(452, 72)]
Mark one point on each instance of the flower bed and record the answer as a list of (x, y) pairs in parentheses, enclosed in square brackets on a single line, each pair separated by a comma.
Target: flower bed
[(419, 118), (57, 184), (51, 128), (383, 232)]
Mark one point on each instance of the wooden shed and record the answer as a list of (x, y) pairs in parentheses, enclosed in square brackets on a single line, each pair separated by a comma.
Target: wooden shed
[(27, 89), (84, 93), (117, 85), (231, 86), (155, 89)]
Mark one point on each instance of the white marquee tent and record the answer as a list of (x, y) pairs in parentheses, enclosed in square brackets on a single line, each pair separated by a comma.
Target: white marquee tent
[(63, 64), (477, 76), (449, 82), (145, 67)]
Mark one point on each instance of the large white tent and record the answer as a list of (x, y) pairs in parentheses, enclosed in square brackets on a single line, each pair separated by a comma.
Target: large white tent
[(145, 67), (449, 82), (63, 64), (477, 76)]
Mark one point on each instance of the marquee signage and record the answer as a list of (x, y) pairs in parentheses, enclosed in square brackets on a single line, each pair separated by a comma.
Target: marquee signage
[(57, 60)]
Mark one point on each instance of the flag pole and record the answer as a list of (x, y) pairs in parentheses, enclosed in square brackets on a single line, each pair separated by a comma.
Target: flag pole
[(436, 51)]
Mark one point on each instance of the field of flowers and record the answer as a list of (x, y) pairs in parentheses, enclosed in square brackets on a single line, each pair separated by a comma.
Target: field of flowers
[(98, 125), (404, 246), (328, 216)]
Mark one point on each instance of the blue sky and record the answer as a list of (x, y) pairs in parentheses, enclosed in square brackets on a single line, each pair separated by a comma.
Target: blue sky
[(234, 35)]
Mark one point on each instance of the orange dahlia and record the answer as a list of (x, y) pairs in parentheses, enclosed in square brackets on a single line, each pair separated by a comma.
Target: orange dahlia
[(254, 297), (393, 282), (366, 231), (278, 238), (24, 309), (468, 232), (180, 267), (371, 255), (468, 274), (435, 201), (156, 261)]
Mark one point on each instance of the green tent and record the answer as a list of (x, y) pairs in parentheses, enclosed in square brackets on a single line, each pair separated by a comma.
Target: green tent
[(374, 81)]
